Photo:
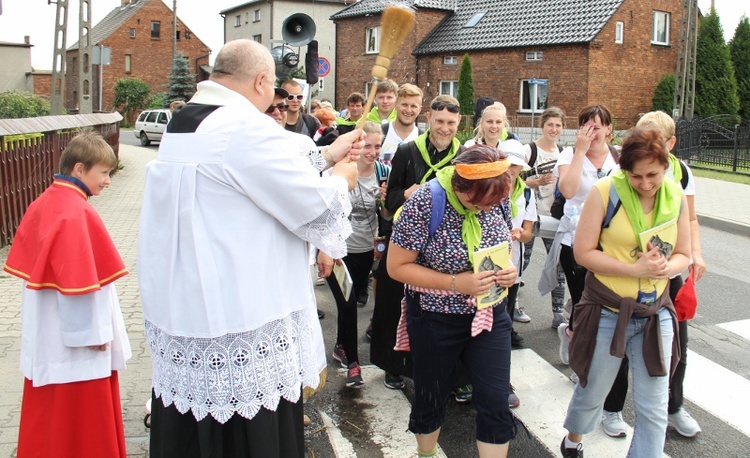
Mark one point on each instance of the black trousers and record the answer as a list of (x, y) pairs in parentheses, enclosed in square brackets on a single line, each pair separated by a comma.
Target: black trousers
[(616, 398), (575, 277)]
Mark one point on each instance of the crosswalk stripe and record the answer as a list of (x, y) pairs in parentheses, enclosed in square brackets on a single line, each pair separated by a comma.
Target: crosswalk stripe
[(342, 448), (718, 390), (740, 327)]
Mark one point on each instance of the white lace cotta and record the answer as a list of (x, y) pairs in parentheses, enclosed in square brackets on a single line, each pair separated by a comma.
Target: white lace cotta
[(236, 373)]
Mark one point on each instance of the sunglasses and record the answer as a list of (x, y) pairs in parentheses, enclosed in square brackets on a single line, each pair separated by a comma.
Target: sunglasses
[(438, 106), (292, 97), (281, 107)]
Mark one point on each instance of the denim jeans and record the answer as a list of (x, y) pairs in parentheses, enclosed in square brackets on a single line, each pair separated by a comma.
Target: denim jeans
[(650, 394)]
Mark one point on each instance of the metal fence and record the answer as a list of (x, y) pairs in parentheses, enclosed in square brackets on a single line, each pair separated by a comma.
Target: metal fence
[(29, 155), (719, 142)]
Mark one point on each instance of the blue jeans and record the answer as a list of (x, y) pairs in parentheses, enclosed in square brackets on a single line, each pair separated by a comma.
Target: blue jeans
[(650, 394)]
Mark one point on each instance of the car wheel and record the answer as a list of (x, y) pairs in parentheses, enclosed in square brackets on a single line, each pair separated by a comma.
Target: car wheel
[(144, 139)]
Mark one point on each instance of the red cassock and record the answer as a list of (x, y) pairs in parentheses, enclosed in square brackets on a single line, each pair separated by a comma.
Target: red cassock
[(63, 245)]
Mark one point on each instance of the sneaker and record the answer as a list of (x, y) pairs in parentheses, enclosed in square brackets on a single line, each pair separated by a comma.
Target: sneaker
[(320, 281), (520, 315), (354, 376), (574, 377), (393, 381), (684, 423), (462, 393), (571, 452), (340, 356), (562, 333), (368, 331), (558, 319), (513, 400), (613, 425), (516, 341)]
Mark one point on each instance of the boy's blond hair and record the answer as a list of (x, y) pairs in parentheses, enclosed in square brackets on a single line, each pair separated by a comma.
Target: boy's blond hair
[(408, 90), (387, 85), (90, 149), (660, 121)]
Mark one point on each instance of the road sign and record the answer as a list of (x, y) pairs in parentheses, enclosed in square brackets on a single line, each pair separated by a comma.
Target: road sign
[(324, 67), (539, 82)]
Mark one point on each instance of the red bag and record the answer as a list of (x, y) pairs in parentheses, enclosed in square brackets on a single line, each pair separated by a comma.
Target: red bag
[(686, 301)]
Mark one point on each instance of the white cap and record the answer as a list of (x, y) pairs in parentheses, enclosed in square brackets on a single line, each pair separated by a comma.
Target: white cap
[(515, 152)]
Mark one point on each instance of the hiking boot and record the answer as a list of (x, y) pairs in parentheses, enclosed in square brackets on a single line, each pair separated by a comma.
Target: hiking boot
[(558, 319), (613, 424), (340, 356), (571, 452), (393, 381), (513, 400), (684, 423), (354, 376), (562, 333), (516, 341), (462, 393), (520, 315)]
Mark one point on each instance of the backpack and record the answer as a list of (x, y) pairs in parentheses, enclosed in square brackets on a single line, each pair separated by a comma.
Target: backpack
[(534, 150), (381, 171)]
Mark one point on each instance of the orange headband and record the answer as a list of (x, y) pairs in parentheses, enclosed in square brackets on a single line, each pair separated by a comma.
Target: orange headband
[(483, 170)]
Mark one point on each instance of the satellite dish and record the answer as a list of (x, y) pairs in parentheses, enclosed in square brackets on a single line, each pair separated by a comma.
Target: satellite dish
[(286, 60)]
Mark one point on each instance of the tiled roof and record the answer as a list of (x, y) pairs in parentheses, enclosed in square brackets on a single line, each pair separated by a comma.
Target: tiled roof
[(368, 7), (515, 23), (112, 22)]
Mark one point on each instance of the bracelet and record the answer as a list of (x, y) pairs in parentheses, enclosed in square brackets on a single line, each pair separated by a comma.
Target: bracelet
[(453, 283), (326, 153)]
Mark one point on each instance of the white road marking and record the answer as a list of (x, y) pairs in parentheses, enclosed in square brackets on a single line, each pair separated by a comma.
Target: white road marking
[(741, 328), (342, 448)]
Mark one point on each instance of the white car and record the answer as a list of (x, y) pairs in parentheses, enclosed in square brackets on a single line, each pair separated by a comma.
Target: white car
[(151, 124)]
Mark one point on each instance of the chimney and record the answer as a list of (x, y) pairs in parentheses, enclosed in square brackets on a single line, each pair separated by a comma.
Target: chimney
[(27, 39)]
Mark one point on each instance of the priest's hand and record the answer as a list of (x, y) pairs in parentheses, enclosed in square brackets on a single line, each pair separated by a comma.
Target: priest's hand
[(351, 142), (102, 347), (325, 265)]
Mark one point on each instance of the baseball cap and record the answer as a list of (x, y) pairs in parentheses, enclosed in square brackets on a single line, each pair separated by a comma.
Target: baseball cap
[(280, 91), (515, 152)]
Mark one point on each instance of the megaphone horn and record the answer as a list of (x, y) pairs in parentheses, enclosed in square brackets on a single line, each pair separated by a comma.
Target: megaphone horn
[(298, 29)]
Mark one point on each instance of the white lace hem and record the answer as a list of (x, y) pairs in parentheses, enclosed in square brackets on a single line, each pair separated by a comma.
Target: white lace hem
[(235, 373), (329, 231)]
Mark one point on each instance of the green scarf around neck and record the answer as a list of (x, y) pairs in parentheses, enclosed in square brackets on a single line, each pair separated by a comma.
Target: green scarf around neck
[(517, 192), (421, 143), (676, 169), (471, 231), (666, 206), (374, 116)]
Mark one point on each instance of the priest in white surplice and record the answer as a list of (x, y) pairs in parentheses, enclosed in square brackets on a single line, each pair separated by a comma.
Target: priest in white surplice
[(229, 206)]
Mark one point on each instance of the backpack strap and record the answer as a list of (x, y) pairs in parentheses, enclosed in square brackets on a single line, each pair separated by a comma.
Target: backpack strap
[(685, 177), (612, 206), (438, 205), (534, 150), (385, 127), (381, 171), (527, 195), (309, 122)]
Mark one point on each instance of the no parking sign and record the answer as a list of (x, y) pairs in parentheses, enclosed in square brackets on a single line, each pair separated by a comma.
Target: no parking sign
[(324, 67)]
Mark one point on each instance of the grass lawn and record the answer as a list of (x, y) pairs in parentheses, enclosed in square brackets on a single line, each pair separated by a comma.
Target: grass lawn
[(725, 176)]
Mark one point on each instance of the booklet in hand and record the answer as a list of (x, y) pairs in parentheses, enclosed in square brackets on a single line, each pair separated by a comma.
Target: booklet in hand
[(343, 278), (494, 258)]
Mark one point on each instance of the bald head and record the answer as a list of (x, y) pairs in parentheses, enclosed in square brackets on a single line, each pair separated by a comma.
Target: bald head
[(247, 67)]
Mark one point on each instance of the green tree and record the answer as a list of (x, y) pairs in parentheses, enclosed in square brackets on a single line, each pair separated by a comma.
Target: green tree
[(664, 94), (20, 104), (466, 87), (715, 84), (181, 84), (132, 94), (739, 49)]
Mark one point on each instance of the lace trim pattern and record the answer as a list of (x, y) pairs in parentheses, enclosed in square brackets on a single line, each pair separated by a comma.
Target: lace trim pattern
[(316, 160), (235, 372), (329, 231)]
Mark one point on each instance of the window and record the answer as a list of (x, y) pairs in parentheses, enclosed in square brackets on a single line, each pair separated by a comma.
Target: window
[(152, 116), (132, 33), (372, 40), (474, 19), (258, 38), (619, 27), (127, 63), (256, 15), (534, 55), (660, 35), (177, 35), (247, 17), (155, 29), (237, 20), (533, 95), (449, 87), (142, 117), (450, 60), (162, 118)]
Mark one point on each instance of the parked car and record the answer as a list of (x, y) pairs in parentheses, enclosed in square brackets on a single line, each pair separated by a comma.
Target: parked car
[(151, 124)]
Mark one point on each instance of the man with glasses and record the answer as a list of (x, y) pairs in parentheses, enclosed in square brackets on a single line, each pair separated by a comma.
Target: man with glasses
[(277, 109), (296, 120)]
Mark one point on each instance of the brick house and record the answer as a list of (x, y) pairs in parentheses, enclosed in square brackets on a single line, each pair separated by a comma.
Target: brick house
[(611, 52), (139, 33)]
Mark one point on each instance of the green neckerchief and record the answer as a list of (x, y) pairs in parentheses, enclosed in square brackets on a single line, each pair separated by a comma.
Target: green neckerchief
[(421, 143), (676, 169), (503, 137), (666, 206), (517, 192), (346, 122), (374, 116), (471, 231)]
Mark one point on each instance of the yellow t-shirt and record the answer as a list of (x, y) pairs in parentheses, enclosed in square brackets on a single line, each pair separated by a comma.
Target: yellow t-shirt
[(619, 241)]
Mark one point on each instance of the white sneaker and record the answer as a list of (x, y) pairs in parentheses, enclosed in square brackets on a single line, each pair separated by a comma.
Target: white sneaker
[(320, 281), (684, 423), (520, 316), (574, 378), (613, 425), (562, 333)]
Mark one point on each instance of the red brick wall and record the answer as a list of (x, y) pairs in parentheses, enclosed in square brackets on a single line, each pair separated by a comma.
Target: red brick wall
[(151, 58), (42, 84)]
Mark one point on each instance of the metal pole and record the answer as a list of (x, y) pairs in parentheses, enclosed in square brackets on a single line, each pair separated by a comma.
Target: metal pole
[(533, 109), (101, 75), (174, 30)]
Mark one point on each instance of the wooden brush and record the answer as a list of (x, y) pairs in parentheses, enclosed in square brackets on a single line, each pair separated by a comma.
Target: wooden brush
[(397, 22)]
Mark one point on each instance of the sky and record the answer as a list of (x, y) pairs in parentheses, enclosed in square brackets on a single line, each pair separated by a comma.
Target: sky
[(36, 18)]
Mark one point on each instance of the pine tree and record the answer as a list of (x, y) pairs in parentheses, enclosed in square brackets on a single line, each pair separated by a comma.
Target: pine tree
[(466, 87), (715, 84), (739, 48), (181, 84), (664, 94)]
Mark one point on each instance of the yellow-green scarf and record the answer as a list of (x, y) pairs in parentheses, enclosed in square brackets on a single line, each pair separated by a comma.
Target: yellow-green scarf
[(666, 205), (471, 231), (517, 192), (676, 169), (421, 143), (374, 116)]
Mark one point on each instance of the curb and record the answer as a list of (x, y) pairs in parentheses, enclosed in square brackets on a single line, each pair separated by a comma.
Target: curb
[(732, 227)]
